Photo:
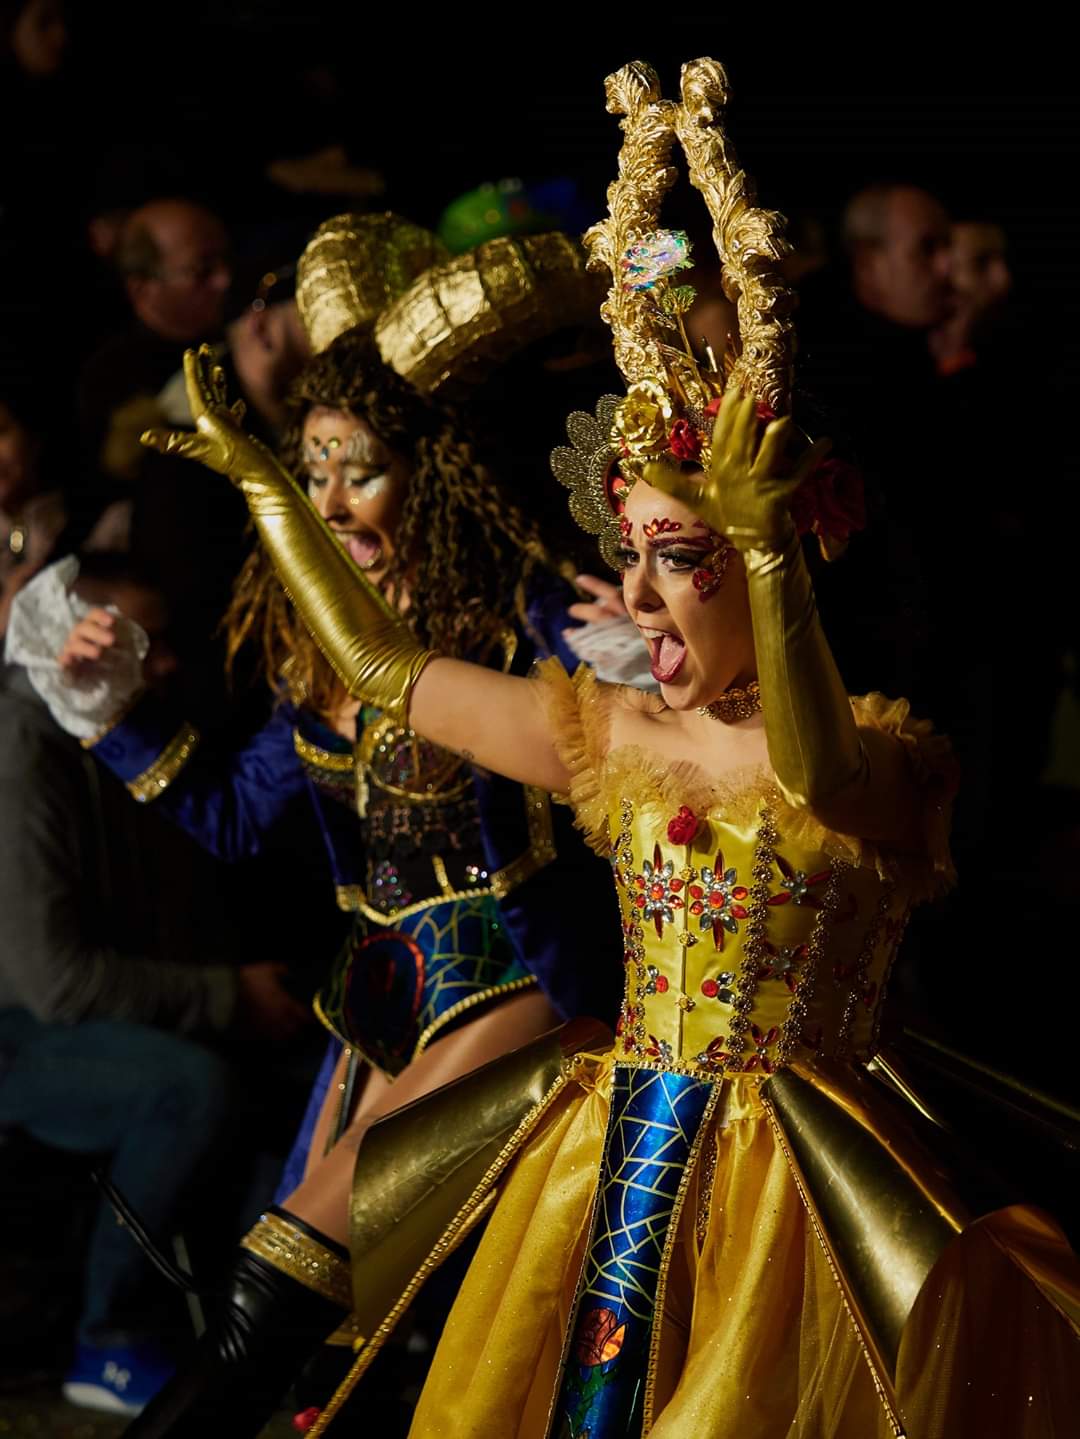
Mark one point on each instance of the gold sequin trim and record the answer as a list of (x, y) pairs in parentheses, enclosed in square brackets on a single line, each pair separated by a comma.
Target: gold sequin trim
[(301, 1258), (313, 754), (497, 991), (705, 1188), (346, 1335), (156, 779), (353, 899), (541, 849)]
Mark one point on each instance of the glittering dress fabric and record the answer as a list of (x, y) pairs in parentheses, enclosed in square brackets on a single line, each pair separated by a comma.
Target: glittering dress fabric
[(653, 1264)]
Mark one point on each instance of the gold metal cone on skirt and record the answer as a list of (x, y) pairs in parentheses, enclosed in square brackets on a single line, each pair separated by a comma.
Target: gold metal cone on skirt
[(353, 266), (423, 1165)]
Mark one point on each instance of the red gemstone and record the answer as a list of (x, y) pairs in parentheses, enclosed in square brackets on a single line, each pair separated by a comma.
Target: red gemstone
[(661, 984), (709, 987), (697, 907)]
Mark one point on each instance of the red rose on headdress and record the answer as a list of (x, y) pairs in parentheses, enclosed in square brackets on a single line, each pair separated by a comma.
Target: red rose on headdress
[(830, 501), (764, 411), (599, 1338), (683, 828), (684, 441)]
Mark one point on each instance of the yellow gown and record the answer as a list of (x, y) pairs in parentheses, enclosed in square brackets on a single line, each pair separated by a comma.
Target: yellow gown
[(655, 1261)]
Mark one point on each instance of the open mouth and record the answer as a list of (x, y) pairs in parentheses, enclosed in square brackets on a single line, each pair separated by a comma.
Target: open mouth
[(666, 654), (364, 547)]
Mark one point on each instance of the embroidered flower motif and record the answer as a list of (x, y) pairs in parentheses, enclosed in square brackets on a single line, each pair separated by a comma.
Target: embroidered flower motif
[(684, 442), (717, 902), (657, 982), (599, 1338), (799, 885), (784, 963), (762, 1039), (657, 891), (721, 988), (659, 1049), (714, 1056), (684, 826)]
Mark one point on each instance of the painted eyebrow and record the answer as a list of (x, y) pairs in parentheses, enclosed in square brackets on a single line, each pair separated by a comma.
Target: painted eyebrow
[(681, 542)]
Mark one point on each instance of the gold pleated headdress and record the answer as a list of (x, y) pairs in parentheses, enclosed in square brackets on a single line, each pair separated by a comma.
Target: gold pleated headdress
[(437, 319), (353, 266), (673, 391)]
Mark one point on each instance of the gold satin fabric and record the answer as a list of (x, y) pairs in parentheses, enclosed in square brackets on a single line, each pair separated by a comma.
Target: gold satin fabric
[(756, 1341)]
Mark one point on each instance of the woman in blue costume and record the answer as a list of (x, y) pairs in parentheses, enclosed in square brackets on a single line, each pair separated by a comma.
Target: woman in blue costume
[(725, 1223), (455, 877)]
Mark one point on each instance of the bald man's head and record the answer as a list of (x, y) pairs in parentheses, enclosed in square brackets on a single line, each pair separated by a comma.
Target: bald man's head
[(898, 240), (174, 256)]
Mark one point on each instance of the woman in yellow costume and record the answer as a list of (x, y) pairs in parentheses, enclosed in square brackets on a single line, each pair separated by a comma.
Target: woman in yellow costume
[(724, 1224)]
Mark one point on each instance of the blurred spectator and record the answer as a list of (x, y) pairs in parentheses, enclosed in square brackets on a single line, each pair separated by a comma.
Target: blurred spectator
[(174, 258), (265, 348), (35, 35), (981, 284), (99, 1050), (33, 505), (897, 238)]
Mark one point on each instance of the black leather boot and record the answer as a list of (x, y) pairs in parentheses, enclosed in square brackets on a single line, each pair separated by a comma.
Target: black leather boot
[(288, 1291)]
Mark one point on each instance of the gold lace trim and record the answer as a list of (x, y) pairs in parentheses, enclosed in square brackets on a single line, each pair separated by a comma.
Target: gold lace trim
[(302, 1258), (579, 708), (157, 778), (314, 754)]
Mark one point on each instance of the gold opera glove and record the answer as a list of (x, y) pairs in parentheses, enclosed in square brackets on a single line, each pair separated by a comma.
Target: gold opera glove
[(813, 742), (368, 644)]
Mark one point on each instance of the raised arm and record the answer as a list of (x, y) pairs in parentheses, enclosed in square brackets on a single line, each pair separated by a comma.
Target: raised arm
[(495, 719), (855, 780)]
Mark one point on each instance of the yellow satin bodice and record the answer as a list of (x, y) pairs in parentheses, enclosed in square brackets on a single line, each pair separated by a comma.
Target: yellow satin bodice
[(747, 943), (751, 932)]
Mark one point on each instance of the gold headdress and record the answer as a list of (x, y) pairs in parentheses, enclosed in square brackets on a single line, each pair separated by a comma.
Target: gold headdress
[(353, 266), (672, 392), (436, 318)]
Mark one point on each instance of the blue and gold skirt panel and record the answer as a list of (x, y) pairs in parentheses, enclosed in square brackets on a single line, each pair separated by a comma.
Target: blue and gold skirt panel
[(399, 984), (653, 1134)]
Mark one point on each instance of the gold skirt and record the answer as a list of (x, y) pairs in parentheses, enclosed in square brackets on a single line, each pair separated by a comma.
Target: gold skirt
[(754, 1337)]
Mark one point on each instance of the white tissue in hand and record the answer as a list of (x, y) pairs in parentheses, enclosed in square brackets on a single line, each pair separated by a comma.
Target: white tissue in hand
[(87, 699), (615, 650)]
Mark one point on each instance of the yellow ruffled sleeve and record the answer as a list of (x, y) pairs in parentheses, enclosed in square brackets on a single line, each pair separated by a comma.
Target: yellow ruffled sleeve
[(935, 773), (579, 711)]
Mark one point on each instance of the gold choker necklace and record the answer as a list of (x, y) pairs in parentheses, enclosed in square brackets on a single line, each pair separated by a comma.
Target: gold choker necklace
[(734, 704)]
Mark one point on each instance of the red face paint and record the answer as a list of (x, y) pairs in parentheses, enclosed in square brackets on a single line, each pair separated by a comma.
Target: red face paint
[(661, 525)]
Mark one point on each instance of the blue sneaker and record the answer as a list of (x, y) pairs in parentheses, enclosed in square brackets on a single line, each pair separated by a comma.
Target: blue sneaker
[(120, 1380)]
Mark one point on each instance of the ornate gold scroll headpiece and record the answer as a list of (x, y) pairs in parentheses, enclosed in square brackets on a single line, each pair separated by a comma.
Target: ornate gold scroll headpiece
[(673, 391), (353, 266)]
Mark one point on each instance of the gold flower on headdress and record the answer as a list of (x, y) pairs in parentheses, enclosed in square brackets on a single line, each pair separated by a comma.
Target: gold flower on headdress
[(642, 421)]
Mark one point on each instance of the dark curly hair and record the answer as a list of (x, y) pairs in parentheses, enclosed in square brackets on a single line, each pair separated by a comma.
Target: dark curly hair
[(464, 546)]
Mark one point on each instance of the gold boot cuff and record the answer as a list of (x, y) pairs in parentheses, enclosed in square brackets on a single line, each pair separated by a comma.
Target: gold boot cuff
[(302, 1258)]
